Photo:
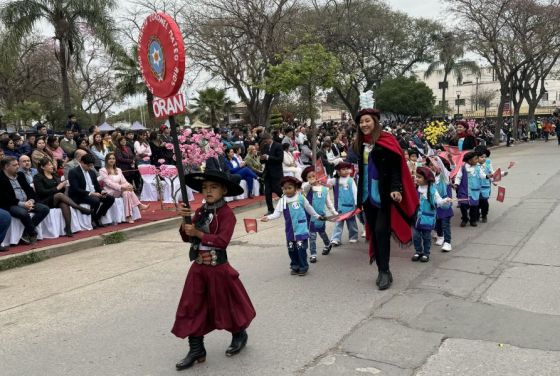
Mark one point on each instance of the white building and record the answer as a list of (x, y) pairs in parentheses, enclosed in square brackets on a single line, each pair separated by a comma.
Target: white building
[(472, 85)]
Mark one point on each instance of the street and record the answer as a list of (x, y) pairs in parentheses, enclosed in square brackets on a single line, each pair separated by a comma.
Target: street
[(489, 307)]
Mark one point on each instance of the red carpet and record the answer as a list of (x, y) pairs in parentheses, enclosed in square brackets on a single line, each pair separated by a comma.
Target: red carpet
[(154, 213)]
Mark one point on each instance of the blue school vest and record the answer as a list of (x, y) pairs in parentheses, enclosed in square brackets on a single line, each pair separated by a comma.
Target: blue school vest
[(426, 215), (370, 181), (485, 184), (460, 144), (444, 190), (319, 201), (343, 197), (296, 220), (470, 186)]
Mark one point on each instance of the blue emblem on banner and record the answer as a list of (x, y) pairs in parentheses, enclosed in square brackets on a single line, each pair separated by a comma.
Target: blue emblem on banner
[(156, 59)]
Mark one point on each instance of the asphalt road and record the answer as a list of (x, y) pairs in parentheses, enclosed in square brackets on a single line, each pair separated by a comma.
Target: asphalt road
[(490, 307)]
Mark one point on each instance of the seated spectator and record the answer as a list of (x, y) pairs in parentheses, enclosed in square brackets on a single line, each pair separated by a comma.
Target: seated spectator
[(2, 155), (10, 149), (26, 169), (252, 160), (142, 149), (40, 152), (125, 159), (235, 167), (28, 145), (84, 189), (20, 200), (159, 151), (68, 144), (306, 156), (5, 221), (116, 185), (289, 164), (73, 125), (99, 150), (74, 161), (83, 143), (108, 142), (50, 192), (53, 146)]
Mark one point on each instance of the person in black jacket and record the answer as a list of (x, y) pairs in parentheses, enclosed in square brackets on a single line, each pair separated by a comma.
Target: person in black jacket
[(272, 156), (20, 200), (84, 189), (50, 191)]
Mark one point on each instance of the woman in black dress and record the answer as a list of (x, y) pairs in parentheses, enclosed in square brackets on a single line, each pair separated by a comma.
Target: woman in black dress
[(50, 191)]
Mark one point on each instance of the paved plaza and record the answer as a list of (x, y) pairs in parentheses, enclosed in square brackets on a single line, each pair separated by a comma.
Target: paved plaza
[(489, 307)]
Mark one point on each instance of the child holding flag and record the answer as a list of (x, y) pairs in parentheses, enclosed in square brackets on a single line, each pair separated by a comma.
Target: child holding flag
[(345, 199)]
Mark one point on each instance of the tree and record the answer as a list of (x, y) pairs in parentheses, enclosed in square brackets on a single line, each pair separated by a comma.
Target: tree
[(484, 99), (405, 96), (70, 19), (211, 106), (373, 42), (238, 41), (450, 50), (24, 112), (310, 68)]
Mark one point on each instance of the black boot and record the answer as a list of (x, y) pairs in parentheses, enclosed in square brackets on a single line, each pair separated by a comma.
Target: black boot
[(238, 342), (385, 280), (68, 232), (197, 353)]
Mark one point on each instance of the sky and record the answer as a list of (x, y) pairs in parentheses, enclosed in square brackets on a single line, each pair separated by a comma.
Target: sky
[(420, 8)]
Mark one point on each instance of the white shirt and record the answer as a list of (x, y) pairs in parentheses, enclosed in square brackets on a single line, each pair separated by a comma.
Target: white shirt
[(423, 190), (343, 183), (317, 188), (471, 171), (284, 201), (89, 184)]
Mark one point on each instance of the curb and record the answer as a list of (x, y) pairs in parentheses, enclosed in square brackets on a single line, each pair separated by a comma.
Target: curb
[(40, 254)]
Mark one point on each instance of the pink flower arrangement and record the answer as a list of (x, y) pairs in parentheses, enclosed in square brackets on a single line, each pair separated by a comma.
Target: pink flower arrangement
[(166, 171), (196, 148), (147, 170)]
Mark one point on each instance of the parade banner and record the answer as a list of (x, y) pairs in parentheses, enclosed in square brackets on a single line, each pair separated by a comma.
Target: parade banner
[(165, 107), (345, 216), (320, 173), (161, 55)]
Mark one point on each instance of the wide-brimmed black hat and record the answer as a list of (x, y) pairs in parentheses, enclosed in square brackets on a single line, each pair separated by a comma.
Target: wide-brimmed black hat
[(367, 111), (290, 180), (306, 171), (470, 155), (196, 179), (480, 149)]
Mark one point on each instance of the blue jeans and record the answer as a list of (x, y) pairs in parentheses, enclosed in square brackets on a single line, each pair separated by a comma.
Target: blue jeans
[(40, 211), (5, 220), (422, 241), (352, 229), (298, 255), (313, 241), (443, 228)]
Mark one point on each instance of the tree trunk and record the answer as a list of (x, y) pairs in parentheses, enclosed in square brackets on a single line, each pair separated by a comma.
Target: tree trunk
[(500, 119), (63, 61), (443, 90), (310, 97), (262, 111), (532, 109)]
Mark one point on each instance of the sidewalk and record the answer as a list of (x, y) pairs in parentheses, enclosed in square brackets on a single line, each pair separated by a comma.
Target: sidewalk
[(153, 220)]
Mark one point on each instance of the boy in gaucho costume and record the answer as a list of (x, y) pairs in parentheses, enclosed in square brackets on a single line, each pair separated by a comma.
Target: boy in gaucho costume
[(213, 296)]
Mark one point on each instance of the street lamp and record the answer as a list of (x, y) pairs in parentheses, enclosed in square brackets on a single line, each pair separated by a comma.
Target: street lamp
[(458, 101)]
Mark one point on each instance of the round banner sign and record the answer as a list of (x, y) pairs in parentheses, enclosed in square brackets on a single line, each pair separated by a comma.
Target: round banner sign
[(161, 54)]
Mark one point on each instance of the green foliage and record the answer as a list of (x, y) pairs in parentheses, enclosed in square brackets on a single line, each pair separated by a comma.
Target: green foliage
[(276, 118), (211, 106), (310, 66), (24, 111), (405, 96)]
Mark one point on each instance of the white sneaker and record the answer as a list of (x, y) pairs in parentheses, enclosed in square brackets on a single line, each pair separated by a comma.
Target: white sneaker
[(439, 241), (335, 243), (364, 234), (353, 241), (446, 247)]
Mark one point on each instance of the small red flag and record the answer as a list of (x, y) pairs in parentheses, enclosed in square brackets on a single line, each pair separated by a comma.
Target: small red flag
[(511, 164), (501, 194), (497, 175), (250, 225)]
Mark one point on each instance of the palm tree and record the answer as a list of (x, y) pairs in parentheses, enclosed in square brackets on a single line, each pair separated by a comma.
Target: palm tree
[(70, 19), (211, 106), (129, 77), (450, 51)]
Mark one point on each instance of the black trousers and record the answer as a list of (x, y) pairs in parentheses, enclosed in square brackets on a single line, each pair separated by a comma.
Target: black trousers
[(469, 213), (271, 185), (484, 207), (378, 221), (98, 205)]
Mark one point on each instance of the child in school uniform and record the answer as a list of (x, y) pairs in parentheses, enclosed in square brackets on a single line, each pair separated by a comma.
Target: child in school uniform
[(444, 213), (345, 198), (213, 296), (318, 197), (468, 181), (426, 214), (295, 208), (485, 184)]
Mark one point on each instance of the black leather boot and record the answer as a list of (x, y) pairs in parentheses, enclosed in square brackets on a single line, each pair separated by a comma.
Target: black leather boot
[(385, 280), (238, 342), (197, 353)]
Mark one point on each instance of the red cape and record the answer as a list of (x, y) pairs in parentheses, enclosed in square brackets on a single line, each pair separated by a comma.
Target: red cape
[(401, 213)]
